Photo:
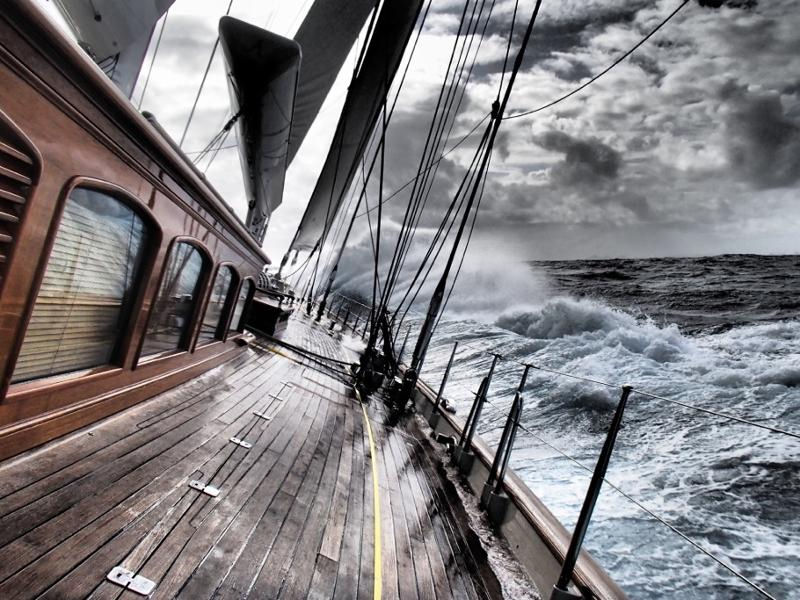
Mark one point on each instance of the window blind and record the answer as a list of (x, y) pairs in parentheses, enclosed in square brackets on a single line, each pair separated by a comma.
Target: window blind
[(84, 301)]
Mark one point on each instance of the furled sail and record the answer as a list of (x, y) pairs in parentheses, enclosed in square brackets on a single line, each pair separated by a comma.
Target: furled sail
[(115, 33), (361, 110), (262, 75), (326, 36)]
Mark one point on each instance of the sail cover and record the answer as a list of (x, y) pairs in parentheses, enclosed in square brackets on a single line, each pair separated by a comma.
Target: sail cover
[(115, 33), (326, 36), (361, 110), (262, 76)]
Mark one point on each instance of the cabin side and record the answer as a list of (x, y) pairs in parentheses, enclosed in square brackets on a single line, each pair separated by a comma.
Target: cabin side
[(122, 272)]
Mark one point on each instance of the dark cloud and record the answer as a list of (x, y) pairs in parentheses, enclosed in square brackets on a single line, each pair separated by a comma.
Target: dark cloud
[(585, 161), (763, 142)]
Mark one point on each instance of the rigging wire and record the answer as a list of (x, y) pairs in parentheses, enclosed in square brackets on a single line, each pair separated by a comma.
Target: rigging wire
[(653, 515), (228, 147), (216, 152), (472, 226), (419, 193), (429, 177), (452, 209), (153, 60), (203, 82), (604, 71), (441, 157)]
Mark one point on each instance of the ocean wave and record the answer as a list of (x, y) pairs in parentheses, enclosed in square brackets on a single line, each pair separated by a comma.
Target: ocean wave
[(595, 322)]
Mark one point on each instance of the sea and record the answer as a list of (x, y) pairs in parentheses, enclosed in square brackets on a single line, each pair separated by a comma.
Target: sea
[(720, 333)]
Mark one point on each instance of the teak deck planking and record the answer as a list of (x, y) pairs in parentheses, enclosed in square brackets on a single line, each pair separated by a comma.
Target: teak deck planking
[(294, 517)]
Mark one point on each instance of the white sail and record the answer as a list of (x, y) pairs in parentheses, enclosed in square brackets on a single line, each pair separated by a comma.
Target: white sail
[(361, 110), (115, 33), (326, 37)]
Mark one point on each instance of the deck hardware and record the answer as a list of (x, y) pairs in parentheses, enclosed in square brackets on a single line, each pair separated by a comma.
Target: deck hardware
[(560, 588), (241, 443), (463, 457), (209, 490), (276, 397), (447, 440), (130, 581), (433, 420), (261, 415)]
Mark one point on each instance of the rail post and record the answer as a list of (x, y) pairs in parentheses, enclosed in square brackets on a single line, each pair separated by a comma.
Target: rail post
[(403, 347), (493, 500), (463, 456), (561, 588), (433, 421), (355, 325)]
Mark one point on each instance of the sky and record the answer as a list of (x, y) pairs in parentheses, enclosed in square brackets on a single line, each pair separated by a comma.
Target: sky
[(690, 147)]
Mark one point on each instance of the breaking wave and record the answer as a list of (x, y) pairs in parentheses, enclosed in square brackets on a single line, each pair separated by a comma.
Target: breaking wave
[(595, 324)]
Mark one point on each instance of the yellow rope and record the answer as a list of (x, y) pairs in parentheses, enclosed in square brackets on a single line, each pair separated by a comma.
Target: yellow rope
[(376, 508)]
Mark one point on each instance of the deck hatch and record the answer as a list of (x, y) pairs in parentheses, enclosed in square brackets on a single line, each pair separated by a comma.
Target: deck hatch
[(130, 581), (18, 173), (209, 490)]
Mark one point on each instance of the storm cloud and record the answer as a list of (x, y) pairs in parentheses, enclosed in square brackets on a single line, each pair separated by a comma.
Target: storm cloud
[(585, 161), (764, 143)]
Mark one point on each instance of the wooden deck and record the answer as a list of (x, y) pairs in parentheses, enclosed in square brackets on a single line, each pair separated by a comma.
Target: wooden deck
[(295, 515)]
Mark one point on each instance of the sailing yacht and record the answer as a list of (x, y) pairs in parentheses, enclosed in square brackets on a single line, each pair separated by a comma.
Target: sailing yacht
[(174, 424)]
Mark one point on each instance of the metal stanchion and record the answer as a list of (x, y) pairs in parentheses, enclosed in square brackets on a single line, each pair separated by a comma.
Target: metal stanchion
[(493, 500), (463, 456), (433, 421), (560, 590)]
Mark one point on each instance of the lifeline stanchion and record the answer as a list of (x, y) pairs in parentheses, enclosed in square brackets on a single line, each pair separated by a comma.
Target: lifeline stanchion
[(493, 500), (403, 347), (560, 589), (462, 454), (433, 421)]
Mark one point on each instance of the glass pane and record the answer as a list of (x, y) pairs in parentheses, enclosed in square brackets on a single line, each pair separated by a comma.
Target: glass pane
[(236, 325), (84, 301), (216, 304), (174, 305)]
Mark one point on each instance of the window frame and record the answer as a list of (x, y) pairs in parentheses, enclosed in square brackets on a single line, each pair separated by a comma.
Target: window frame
[(203, 289), (239, 331), (123, 348), (220, 335)]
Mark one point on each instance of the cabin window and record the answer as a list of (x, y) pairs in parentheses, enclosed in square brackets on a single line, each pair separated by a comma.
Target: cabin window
[(172, 312), (85, 299), (212, 328), (237, 322)]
